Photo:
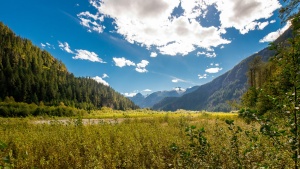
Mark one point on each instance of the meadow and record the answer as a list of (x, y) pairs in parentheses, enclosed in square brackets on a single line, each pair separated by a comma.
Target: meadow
[(139, 139)]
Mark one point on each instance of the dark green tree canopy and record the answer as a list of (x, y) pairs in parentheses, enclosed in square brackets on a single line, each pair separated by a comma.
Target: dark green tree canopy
[(32, 75)]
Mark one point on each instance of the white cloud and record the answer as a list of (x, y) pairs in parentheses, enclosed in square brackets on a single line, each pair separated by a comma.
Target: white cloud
[(153, 54), (141, 67), (80, 53), (211, 55), (92, 22), (179, 89), (121, 62), (217, 64), (100, 80), (274, 35), (48, 45), (272, 21), (147, 90), (129, 94), (177, 80), (200, 53), (87, 55), (65, 47), (151, 24), (222, 47), (204, 76), (105, 76), (213, 70), (262, 25), (245, 15), (207, 54)]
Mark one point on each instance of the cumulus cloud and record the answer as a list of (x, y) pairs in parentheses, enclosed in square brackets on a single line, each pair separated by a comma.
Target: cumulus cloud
[(87, 55), (121, 62), (204, 76), (153, 54), (213, 70), (141, 67), (65, 47), (245, 15), (274, 35), (151, 24), (80, 53), (100, 80), (43, 45)]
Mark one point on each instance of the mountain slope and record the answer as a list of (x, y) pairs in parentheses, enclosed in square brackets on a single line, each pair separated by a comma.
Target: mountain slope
[(212, 96), (32, 75)]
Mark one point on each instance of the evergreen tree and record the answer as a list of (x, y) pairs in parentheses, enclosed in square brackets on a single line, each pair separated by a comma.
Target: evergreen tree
[(32, 75)]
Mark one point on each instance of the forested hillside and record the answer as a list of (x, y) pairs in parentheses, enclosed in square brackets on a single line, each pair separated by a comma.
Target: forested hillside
[(274, 85), (32, 75)]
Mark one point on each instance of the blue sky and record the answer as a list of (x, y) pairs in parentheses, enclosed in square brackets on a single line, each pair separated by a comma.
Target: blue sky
[(146, 46)]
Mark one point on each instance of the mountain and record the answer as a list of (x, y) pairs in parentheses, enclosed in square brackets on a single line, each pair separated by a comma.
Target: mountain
[(213, 96), (29, 74), (156, 97), (137, 99), (190, 90)]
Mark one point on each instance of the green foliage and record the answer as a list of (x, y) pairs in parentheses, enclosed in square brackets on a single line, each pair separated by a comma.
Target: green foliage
[(5, 161), (31, 75), (275, 103), (18, 109), (239, 146)]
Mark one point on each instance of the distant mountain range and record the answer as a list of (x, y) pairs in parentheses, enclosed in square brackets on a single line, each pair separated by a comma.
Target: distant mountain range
[(154, 98), (212, 96)]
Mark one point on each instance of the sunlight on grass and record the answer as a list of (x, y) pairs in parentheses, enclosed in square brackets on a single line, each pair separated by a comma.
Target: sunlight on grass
[(109, 113)]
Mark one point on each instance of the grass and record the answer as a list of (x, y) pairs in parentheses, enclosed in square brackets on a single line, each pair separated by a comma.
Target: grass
[(142, 113), (142, 140)]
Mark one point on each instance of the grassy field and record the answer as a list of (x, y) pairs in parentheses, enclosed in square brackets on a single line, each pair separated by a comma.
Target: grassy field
[(142, 139)]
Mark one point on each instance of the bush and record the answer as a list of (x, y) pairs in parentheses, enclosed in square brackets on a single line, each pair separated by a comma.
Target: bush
[(19, 109)]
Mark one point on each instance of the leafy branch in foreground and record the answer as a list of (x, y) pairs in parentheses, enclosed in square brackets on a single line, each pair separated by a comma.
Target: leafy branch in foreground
[(275, 103)]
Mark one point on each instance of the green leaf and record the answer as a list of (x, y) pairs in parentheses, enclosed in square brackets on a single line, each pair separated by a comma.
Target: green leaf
[(2, 145)]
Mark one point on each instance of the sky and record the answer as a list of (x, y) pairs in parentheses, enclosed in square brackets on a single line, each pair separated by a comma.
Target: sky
[(139, 46)]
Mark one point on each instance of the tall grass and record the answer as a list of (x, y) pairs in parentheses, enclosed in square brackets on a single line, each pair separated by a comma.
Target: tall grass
[(167, 141)]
